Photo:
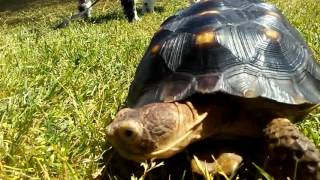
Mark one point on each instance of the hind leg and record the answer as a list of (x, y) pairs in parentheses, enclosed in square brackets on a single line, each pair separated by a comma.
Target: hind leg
[(130, 10), (148, 6), (84, 6), (135, 13), (290, 153)]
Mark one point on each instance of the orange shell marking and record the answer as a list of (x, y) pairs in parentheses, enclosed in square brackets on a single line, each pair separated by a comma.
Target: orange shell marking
[(205, 38), (155, 49), (272, 34)]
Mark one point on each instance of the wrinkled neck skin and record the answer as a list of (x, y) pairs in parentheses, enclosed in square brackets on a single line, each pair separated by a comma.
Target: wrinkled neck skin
[(228, 120), (188, 129), (197, 122)]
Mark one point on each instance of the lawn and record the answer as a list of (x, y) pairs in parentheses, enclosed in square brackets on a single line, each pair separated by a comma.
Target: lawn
[(60, 88)]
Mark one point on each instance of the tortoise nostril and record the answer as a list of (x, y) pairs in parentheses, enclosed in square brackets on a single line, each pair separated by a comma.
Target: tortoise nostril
[(129, 130), (128, 133), (109, 131)]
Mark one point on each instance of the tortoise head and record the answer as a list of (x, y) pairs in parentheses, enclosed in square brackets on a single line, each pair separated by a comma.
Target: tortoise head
[(154, 131)]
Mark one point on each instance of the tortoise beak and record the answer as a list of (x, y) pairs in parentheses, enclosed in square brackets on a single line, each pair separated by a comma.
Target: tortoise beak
[(109, 132)]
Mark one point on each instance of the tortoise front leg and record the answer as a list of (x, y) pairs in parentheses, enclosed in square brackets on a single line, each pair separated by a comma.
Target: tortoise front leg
[(225, 164), (290, 153)]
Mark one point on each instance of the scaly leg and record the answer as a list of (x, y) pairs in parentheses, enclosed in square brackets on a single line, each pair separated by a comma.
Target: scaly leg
[(290, 153)]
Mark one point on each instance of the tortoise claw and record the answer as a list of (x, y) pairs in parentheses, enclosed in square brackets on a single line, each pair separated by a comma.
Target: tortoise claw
[(290, 153)]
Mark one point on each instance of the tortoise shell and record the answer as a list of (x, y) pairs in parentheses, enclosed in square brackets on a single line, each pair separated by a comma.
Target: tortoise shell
[(240, 48)]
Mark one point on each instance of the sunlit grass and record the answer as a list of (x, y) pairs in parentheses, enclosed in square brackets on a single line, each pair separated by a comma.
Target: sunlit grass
[(59, 89)]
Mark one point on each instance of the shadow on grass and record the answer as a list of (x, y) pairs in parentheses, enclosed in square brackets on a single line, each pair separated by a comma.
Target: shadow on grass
[(116, 15), (20, 5), (25, 12), (63, 23), (100, 19)]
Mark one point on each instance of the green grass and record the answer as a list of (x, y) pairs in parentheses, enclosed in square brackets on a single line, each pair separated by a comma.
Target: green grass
[(59, 89)]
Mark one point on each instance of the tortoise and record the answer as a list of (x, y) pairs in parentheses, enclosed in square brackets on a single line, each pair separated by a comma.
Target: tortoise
[(223, 69)]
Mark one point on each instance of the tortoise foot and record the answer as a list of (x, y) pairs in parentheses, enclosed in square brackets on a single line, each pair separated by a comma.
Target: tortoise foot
[(290, 153), (226, 164)]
